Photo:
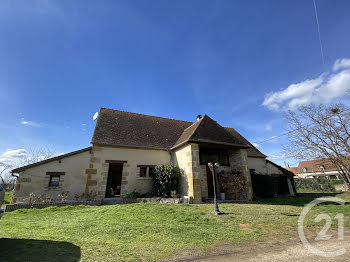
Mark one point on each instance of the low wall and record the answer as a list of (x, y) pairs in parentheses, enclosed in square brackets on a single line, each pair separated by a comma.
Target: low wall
[(13, 207), (99, 202), (157, 200)]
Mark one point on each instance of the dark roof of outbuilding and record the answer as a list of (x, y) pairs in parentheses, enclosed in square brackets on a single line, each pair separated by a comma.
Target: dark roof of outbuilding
[(119, 128)]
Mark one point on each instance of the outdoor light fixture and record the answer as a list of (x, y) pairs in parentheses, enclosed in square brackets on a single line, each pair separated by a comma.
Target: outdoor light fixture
[(212, 167)]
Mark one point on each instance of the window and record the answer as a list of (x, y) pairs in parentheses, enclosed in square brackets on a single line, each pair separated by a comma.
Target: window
[(322, 168), (54, 181), (207, 155), (304, 169), (143, 171), (146, 171), (54, 178)]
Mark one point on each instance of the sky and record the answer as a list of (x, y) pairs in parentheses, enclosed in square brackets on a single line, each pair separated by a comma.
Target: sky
[(243, 63)]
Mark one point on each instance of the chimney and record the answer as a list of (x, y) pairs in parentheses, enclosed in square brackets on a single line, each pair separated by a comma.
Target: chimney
[(199, 117)]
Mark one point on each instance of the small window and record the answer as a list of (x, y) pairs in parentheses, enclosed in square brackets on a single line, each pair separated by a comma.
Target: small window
[(54, 181), (146, 171), (304, 169), (322, 168), (54, 178)]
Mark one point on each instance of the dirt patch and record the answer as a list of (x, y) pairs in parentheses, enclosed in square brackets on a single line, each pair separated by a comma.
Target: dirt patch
[(245, 227), (269, 250)]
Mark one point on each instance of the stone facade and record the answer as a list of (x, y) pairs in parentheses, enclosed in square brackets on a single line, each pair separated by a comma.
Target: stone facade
[(187, 158), (238, 165), (35, 179), (130, 158), (86, 173)]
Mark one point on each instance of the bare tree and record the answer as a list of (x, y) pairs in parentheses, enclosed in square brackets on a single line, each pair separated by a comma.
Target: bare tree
[(321, 132), (6, 180), (34, 155)]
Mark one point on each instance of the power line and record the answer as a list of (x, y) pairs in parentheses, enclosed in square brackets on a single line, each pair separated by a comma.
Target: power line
[(319, 34)]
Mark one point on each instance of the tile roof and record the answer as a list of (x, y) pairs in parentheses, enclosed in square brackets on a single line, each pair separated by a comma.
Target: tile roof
[(119, 128), (208, 131), (313, 166)]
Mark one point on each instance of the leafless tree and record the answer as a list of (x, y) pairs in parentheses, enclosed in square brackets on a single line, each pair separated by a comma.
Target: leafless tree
[(321, 132), (6, 180), (34, 155)]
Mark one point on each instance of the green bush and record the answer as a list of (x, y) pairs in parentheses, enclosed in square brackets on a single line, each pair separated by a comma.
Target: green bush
[(165, 179), (318, 184), (264, 185)]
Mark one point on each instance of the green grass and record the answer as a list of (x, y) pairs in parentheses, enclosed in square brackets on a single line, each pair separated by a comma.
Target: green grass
[(148, 231), (7, 199)]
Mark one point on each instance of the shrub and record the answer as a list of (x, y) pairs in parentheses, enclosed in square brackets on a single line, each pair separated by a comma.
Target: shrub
[(264, 185), (318, 184), (165, 178), (133, 194)]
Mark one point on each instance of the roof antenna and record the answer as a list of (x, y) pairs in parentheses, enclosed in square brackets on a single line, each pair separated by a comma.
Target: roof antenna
[(95, 116)]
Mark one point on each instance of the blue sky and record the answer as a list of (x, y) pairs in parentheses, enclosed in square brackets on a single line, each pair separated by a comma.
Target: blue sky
[(240, 62)]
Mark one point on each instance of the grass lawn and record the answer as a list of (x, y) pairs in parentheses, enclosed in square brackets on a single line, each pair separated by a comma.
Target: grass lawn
[(7, 199), (149, 231)]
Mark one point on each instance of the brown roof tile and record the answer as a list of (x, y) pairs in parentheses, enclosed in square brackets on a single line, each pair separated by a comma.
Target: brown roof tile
[(119, 128), (209, 131)]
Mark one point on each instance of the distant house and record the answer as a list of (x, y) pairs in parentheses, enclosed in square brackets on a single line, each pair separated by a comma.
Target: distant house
[(316, 168), (126, 146)]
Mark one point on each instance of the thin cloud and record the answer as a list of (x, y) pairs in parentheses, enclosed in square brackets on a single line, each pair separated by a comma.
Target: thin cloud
[(30, 123), (256, 145), (272, 139), (323, 89), (278, 157), (268, 127)]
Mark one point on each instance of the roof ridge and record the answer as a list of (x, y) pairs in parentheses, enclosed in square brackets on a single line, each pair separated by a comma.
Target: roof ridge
[(104, 108), (196, 129)]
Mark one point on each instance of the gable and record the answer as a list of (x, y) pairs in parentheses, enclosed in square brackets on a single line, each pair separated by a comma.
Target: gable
[(206, 130)]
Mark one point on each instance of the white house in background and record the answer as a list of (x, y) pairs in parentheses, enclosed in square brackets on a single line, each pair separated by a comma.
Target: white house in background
[(316, 168), (126, 146)]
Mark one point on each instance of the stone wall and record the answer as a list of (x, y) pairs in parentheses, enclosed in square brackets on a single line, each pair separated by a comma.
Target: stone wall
[(239, 186), (35, 180), (97, 172), (187, 158)]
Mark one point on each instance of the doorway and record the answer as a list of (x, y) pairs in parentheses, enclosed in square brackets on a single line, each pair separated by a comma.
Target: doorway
[(114, 180), (210, 183)]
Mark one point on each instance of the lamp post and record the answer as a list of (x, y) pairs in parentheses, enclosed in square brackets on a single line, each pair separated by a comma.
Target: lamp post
[(212, 167)]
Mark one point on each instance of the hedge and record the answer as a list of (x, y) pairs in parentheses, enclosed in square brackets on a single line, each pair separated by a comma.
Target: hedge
[(318, 184)]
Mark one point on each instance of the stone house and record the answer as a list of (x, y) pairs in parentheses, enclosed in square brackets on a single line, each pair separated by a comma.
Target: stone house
[(126, 146), (318, 168)]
